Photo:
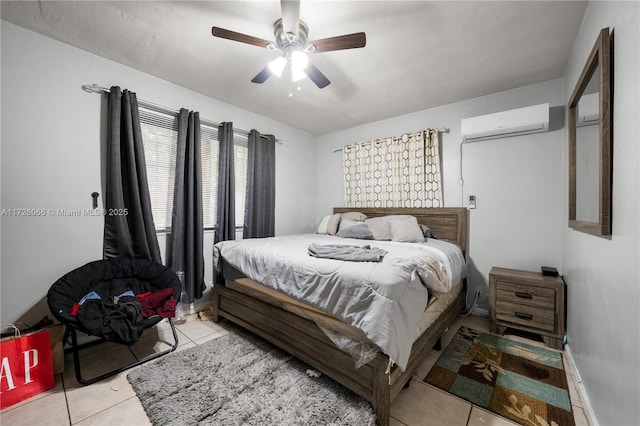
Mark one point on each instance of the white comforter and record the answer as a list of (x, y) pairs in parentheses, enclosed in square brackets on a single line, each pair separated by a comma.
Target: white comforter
[(383, 299)]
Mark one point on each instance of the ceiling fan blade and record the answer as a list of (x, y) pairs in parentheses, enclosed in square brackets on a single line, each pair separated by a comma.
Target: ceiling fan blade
[(290, 17), (262, 76), (242, 38), (316, 76), (348, 41)]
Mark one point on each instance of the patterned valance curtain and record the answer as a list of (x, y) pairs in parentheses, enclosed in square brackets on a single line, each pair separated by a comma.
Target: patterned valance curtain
[(394, 172)]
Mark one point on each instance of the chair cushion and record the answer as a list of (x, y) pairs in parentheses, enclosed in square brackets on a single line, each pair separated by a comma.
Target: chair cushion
[(108, 278)]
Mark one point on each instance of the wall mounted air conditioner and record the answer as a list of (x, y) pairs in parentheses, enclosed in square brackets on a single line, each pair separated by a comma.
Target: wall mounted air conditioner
[(516, 122)]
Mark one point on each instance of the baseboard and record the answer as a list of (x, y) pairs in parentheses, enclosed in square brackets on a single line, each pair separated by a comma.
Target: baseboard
[(582, 392)]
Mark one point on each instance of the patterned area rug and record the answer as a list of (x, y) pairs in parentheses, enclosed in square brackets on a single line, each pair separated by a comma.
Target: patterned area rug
[(524, 383)]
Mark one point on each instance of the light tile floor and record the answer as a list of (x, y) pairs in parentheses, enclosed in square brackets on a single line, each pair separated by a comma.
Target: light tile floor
[(113, 401)]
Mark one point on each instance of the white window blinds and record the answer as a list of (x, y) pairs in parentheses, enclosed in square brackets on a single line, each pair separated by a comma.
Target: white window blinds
[(160, 136)]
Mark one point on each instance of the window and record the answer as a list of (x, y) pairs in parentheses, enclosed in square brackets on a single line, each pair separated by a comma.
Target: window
[(240, 157), (160, 136), (209, 153)]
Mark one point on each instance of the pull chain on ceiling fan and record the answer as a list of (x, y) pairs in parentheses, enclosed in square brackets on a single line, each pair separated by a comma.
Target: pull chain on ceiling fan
[(291, 39)]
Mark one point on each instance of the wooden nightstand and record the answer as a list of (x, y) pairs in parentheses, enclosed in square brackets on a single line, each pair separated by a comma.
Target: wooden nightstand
[(527, 301)]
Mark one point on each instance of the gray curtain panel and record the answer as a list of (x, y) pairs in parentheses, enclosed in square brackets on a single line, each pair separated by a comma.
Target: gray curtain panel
[(129, 230), (260, 201), (187, 231), (226, 207)]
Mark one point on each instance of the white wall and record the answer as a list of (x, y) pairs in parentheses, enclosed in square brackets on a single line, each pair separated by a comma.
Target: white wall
[(517, 181), (51, 136), (602, 273)]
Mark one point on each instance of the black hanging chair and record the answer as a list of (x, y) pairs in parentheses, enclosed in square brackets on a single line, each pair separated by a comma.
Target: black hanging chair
[(102, 298)]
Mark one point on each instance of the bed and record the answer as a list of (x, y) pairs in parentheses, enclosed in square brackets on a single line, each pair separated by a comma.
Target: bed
[(300, 328)]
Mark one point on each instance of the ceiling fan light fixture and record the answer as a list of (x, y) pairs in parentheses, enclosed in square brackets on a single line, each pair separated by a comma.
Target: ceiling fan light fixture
[(299, 60), (297, 74), (277, 66)]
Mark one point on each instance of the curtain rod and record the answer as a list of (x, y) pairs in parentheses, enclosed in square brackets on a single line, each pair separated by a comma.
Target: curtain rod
[(440, 130), (95, 88)]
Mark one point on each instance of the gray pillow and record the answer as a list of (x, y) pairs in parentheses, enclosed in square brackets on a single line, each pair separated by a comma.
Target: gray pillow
[(346, 223), (361, 232), (426, 232)]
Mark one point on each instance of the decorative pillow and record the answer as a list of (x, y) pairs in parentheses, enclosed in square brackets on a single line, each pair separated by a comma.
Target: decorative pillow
[(322, 226), (346, 223), (332, 225), (359, 231), (379, 227), (357, 216), (426, 232), (406, 230)]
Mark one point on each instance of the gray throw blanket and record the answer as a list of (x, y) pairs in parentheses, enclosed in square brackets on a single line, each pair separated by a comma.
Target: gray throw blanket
[(350, 253)]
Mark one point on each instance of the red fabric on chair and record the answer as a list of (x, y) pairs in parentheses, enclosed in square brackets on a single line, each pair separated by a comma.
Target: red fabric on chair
[(159, 302)]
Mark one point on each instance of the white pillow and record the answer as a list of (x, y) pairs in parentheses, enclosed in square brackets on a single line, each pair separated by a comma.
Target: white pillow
[(322, 227), (360, 217), (329, 224), (379, 227), (332, 226), (406, 230)]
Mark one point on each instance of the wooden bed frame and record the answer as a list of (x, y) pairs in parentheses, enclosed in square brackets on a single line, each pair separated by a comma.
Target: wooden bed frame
[(303, 339)]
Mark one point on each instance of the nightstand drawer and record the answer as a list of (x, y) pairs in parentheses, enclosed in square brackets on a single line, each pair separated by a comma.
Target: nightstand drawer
[(543, 319), (543, 297)]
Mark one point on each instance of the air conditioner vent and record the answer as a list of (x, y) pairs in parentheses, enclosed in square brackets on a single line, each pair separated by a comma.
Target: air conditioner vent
[(515, 122)]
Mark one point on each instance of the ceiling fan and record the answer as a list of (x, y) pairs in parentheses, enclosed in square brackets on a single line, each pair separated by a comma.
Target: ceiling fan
[(291, 39)]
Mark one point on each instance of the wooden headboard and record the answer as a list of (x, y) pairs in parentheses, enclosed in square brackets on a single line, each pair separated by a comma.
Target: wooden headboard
[(446, 223)]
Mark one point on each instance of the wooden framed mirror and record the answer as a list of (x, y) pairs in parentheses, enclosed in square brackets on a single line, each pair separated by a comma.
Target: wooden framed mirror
[(590, 143)]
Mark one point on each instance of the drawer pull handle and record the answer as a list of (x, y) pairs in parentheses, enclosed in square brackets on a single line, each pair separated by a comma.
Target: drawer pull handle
[(524, 295), (523, 315)]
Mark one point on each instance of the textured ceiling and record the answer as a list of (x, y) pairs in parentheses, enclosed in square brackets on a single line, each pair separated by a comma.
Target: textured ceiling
[(419, 54)]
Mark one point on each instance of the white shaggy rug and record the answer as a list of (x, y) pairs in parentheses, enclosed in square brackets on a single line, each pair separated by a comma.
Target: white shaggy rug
[(239, 379)]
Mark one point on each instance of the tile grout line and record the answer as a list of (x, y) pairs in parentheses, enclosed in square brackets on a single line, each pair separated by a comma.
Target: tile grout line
[(469, 416), (133, 354), (66, 400), (105, 409)]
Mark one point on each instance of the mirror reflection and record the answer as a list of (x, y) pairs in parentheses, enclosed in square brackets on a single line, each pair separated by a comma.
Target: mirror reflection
[(587, 152)]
